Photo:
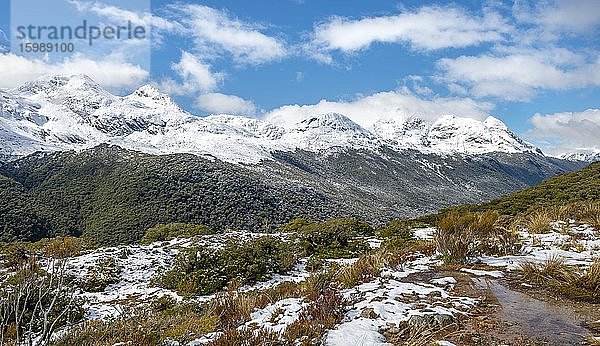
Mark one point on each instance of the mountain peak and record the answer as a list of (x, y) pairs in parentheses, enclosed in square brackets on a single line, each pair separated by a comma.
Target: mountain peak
[(332, 121), (52, 83), (150, 92), (495, 122)]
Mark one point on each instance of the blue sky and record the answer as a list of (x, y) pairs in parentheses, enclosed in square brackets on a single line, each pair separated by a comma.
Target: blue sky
[(533, 64)]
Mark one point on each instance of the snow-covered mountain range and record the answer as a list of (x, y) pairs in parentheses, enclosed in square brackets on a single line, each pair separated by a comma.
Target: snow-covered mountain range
[(586, 155), (56, 113)]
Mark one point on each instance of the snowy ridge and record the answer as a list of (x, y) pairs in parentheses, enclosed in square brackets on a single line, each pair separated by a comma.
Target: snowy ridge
[(56, 113), (587, 155)]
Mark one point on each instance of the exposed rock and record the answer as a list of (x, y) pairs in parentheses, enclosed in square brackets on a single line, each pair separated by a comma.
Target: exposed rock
[(431, 321), (369, 313)]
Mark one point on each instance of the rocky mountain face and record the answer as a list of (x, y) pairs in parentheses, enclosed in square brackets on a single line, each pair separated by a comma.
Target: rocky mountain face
[(113, 166)]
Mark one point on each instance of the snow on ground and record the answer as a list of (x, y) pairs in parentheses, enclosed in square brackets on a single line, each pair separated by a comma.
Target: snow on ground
[(138, 264), (424, 233), (493, 273), (277, 316), (390, 300), (448, 280), (577, 244), (387, 301)]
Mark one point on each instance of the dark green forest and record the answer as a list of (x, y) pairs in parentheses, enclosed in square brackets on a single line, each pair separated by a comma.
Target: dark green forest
[(112, 196)]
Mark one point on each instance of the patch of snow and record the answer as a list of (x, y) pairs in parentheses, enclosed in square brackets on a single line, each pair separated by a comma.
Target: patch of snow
[(493, 273), (448, 280), (392, 301), (424, 233), (444, 343), (580, 250), (356, 332), (278, 316)]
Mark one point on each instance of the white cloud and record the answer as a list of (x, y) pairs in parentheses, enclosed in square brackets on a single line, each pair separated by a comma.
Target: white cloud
[(122, 15), (110, 72), (196, 76), (365, 110), (228, 104), (566, 132), (428, 28), (145, 19), (215, 31), (154, 25), (560, 15), (519, 75)]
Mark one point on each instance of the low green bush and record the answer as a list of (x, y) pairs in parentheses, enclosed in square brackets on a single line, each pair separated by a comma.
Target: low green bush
[(334, 238), (398, 229), (199, 271)]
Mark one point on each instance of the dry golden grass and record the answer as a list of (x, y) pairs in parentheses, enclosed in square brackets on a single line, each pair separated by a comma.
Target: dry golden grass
[(247, 336), (366, 268), (569, 281), (369, 265), (552, 271), (539, 221), (586, 286), (231, 308), (460, 237), (146, 329), (63, 247)]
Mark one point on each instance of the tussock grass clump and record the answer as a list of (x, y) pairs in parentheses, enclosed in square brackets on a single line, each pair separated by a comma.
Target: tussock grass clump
[(552, 272), (11, 254), (233, 308), (586, 212), (539, 221), (142, 328), (585, 286), (462, 236), (366, 268), (569, 281), (591, 278)]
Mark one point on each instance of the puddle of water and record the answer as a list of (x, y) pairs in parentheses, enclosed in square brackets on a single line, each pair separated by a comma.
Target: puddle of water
[(557, 324)]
